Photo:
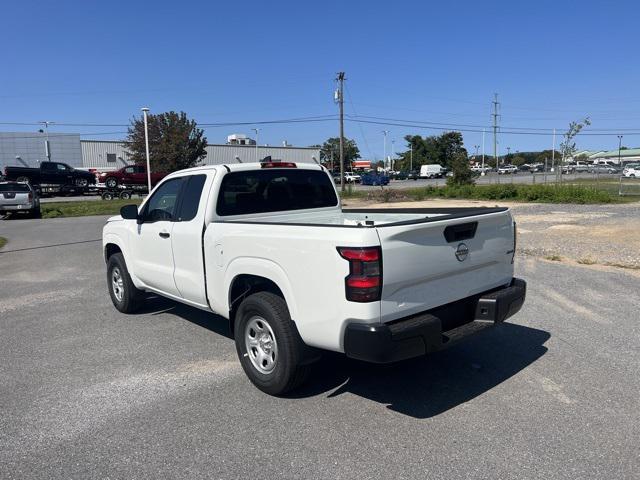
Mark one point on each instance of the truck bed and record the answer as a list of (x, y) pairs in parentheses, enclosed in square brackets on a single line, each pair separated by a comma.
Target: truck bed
[(362, 218)]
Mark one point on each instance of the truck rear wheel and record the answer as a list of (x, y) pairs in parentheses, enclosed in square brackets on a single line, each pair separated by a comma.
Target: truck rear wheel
[(124, 294), (268, 345)]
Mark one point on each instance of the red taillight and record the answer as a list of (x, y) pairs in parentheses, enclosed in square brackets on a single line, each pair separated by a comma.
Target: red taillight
[(279, 165), (364, 282), (30, 197)]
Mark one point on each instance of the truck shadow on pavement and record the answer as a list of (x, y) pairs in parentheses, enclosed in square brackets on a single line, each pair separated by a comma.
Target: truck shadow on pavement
[(431, 385), (421, 388)]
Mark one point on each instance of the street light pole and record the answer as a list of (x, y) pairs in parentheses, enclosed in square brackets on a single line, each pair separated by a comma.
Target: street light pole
[(411, 161), (257, 130), (47, 149), (393, 144), (145, 110), (619, 150), (384, 158)]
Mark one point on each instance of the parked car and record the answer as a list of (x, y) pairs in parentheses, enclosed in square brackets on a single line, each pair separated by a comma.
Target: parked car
[(507, 169), (479, 169), (603, 168), (50, 173), (245, 241), (19, 197), (130, 175), (413, 175), (631, 172), (432, 170), (374, 179)]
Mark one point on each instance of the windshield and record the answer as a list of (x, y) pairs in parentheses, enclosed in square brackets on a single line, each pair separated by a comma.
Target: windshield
[(14, 187)]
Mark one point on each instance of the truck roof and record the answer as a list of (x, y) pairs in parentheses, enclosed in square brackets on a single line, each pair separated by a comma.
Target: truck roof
[(238, 167)]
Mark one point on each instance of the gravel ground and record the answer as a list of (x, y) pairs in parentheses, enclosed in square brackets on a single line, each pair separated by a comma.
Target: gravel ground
[(589, 234)]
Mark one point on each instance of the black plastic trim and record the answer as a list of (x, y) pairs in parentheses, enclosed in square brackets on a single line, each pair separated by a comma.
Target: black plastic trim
[(431, 331)]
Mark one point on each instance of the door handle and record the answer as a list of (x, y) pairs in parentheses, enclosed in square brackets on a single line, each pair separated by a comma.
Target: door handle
[(164, 234)]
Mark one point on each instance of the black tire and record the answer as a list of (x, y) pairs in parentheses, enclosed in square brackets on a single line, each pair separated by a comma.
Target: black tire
[(111, 182), (128, 299), (107, 196), (288, 372), (82, 182), (125, 195)]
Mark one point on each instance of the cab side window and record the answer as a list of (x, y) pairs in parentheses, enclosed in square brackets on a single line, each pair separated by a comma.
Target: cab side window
[(162, 204), (190, 199)]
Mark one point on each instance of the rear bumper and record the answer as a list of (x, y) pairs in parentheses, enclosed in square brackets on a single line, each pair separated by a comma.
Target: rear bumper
[(429, 332), (23, 207)]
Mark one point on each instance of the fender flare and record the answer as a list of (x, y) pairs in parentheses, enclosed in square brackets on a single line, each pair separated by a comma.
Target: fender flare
[(259, 267), (112, 238)]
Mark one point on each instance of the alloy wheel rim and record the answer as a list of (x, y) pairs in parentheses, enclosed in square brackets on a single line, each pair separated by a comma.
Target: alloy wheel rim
[(261, 345), (117, 284)]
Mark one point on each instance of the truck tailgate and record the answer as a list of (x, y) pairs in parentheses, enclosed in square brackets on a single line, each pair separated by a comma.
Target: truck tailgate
[(423, 269)]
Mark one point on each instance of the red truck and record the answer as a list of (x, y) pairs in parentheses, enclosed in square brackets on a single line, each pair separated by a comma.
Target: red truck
[(131, 175)]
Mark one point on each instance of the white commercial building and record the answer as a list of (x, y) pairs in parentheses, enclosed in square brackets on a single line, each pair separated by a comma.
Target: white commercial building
[(111, 155)]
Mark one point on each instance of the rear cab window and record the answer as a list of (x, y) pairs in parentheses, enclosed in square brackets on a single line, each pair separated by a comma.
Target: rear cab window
[(274, 190), (14, 187)]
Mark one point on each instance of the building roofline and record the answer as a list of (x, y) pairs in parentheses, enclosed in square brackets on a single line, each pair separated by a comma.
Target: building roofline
[(218, 145)]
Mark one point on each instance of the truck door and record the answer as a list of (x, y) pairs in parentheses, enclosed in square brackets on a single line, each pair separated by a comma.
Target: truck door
[(186, 239), (128, 175), (152, 254), (48, 173)]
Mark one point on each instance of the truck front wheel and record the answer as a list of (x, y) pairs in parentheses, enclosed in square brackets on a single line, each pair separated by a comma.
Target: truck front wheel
[(268, 344), (124, 294)]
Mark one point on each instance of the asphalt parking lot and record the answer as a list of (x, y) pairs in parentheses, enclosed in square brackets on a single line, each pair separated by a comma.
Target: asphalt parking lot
[(88, 392)]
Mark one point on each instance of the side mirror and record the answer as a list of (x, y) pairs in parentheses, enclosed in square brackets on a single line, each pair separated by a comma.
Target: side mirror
[(129, 212)]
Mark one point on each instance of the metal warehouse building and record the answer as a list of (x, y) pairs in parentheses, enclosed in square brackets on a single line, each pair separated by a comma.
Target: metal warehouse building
[(29, 149), (110, 155)]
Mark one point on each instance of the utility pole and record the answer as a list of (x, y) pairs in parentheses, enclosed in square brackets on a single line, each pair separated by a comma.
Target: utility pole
[(340, 95), (475, 157), (256, 130), (619, 150), (495, 130), (145, 110), (508, 153)]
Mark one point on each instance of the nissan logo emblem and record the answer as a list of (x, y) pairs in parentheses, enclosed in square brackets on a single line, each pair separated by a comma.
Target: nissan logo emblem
[(462, 252)]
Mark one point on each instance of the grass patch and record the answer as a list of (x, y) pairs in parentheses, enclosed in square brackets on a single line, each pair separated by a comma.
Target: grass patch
[(586, 261), (553, 258), (3, 242), (81, 209), (517, 193)]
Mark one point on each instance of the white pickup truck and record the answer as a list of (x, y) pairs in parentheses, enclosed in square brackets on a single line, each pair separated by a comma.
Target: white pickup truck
[(269, 248)]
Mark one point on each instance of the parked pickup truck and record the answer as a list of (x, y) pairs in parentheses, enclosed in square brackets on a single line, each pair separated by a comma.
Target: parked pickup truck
[(268, 247), (130, 175), (50, 173)]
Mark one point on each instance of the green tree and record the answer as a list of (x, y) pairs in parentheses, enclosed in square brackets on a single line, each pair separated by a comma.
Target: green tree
[(462, 174), (442, 149), (175, 142), (568, 145), (518, 160), (330, 152)]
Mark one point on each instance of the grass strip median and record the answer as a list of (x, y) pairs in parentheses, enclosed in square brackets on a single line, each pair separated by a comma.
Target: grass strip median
[(551, 193), (3, 242), (84, 208)]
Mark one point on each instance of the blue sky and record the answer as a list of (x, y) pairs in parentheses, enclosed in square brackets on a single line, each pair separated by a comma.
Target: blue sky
[(416, 61)]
